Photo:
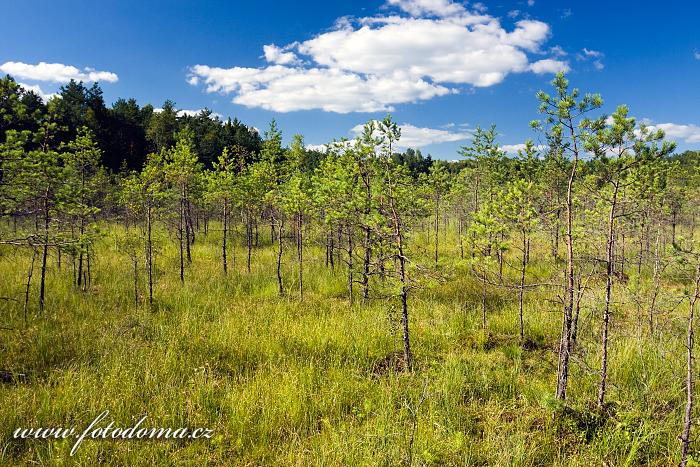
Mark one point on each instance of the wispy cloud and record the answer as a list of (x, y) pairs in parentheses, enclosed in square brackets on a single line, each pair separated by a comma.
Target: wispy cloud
[(557, 51), (593, 56), (56, 72)]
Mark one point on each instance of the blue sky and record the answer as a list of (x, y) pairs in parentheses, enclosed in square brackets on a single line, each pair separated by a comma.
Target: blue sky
[(440, 68)]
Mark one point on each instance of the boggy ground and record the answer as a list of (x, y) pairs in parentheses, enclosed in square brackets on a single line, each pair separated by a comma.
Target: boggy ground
[(317, 382)]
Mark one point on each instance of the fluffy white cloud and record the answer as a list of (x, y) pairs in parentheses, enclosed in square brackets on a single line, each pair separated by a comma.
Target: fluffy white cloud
[(274, 54), (284, 89), (411, 137), (549, 65), (316, 147), (190, 112), (56, 72), (45, 96), (696, 54), (417, 137), (688, 133), (514, 148), (428, 7), (373, 63)]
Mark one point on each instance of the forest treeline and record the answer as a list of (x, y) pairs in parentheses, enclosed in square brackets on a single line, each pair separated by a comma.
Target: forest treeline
[(605, 196), (126, 133)]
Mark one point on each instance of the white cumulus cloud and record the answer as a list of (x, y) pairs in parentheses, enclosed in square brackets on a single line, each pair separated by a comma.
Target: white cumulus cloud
[(513, 149), (689, 133), (428, 7), (56, 72), (411, 137), (549, 65), (36, 89), (417, 137), (425, 49), (284, 89), (274, 54), (190, 112)]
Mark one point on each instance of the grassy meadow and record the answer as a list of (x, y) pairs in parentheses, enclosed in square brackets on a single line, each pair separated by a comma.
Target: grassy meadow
[(319, 382)]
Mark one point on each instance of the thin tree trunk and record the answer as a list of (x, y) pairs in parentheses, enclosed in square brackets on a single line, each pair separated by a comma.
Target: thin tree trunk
[(365, 263), (29, 283), (249, 237), (82, 231), (45, 251), (685, 437), (80, 255), (88, 279), (557, 234), (404, 309), (181, 233), (655, 282), (188, 224), (459, 234), (350, 266), (398, 236), (223, 241), (149, 253), (641, 255), (279, 256), (563, 376), (300, 254), (608, 298), (521, 292), (437, 227)]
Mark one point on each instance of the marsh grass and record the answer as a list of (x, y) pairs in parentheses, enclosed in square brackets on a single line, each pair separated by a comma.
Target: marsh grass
[(317, 382)]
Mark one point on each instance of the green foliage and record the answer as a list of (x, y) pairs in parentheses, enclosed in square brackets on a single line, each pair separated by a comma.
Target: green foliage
[(316, 381)]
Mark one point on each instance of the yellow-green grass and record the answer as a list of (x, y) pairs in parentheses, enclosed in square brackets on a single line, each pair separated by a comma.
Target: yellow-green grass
[(317, 382)]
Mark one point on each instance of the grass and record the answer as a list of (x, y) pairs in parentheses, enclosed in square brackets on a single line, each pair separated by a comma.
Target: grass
[(317, 382)]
